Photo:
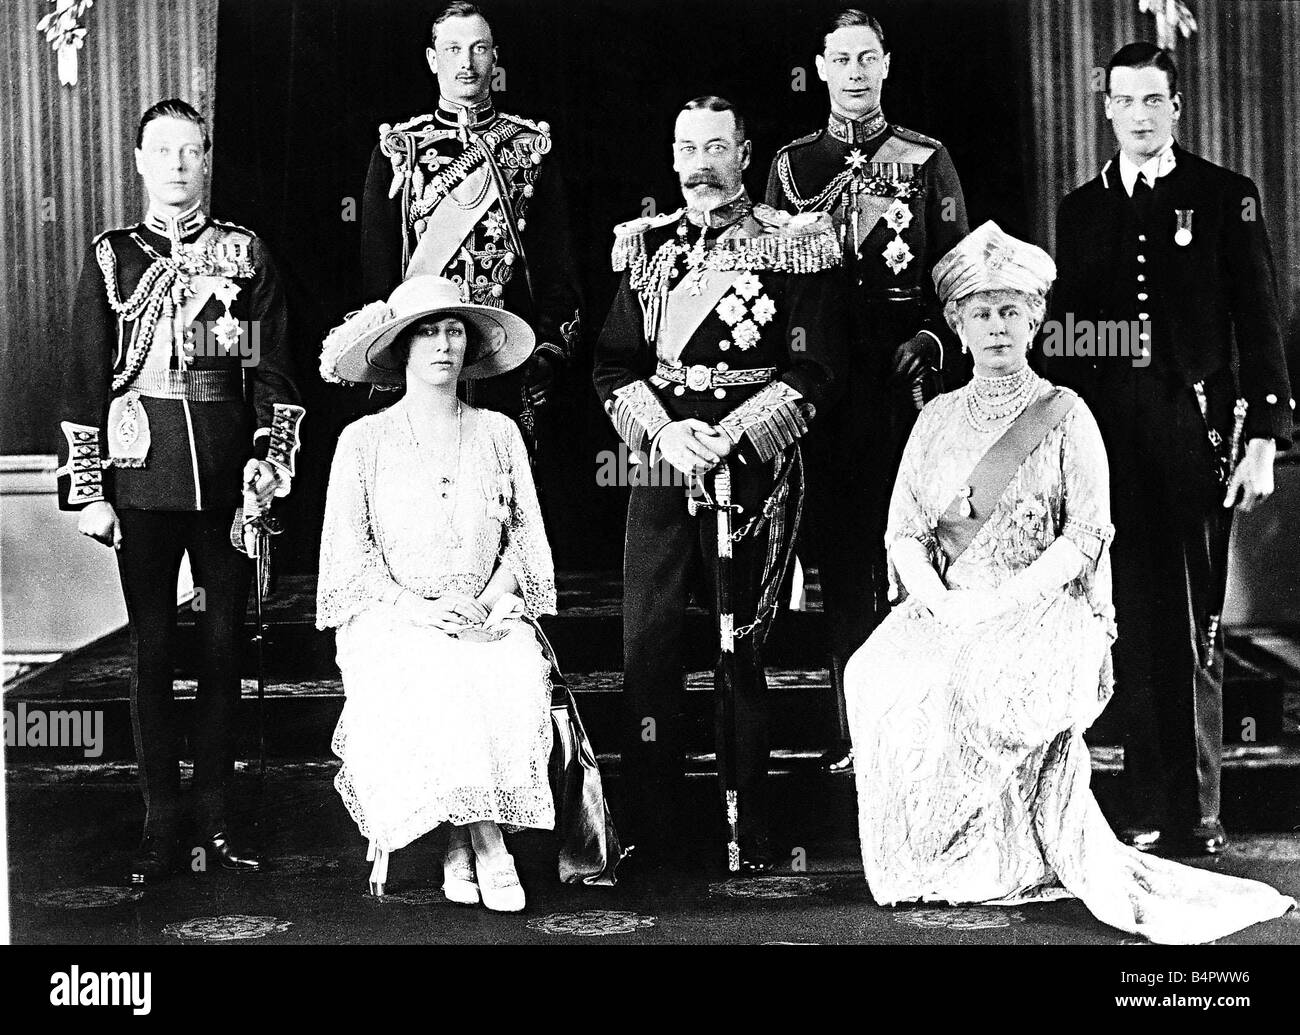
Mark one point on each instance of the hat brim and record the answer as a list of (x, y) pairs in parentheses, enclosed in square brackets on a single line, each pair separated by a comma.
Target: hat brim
[(502, 340)]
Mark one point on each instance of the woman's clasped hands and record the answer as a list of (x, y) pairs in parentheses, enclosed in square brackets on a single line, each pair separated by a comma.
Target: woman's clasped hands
[(966, 607), (450, 613)]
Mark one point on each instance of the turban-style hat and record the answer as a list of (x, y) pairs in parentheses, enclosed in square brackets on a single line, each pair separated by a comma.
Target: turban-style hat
[(986, 259)]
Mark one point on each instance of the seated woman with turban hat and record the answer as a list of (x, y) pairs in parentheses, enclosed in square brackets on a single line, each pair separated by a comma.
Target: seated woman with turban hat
[(968, 704)]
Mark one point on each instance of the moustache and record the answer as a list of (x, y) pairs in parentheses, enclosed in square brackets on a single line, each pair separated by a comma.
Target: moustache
[(702, 180)]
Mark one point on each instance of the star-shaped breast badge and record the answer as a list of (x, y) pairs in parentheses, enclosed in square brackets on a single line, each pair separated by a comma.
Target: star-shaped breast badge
[(225, 292), (898, 216), (897, 255)]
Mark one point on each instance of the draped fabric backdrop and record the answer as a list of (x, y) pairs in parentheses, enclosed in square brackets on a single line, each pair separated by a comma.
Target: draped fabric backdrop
[(304, 85), (68, 171), (1240, 80), (1007, 84)]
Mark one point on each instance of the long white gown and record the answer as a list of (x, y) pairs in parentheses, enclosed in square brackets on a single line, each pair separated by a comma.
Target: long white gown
[(434, 728), (972, 771)]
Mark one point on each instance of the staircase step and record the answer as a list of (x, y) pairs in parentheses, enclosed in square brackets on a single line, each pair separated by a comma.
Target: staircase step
[(301, 714), (304, 695)]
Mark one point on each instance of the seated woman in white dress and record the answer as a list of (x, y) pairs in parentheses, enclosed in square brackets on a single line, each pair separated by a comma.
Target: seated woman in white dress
[(432, 536), (968, 704)]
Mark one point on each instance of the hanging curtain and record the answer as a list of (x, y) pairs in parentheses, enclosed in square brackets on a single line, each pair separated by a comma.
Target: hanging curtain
[(67, 170), (1240, 83)]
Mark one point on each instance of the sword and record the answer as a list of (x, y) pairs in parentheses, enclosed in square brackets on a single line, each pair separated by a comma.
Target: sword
[(251, 534), (725, 675)]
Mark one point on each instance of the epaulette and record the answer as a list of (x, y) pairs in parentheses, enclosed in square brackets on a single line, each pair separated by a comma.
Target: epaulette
[(629, 238), (811, 138), (790, 224), (113, 230), (233, 226), (544, 128), (912, 136), (402, 127), (789, 243)]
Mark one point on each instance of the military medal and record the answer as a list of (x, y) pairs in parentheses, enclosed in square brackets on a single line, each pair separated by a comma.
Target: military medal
[(226, 329), (898, 216), (1183, 235), (897, 255)]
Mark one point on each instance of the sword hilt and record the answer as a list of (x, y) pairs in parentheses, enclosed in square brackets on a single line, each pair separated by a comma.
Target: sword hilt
[(733, 830)]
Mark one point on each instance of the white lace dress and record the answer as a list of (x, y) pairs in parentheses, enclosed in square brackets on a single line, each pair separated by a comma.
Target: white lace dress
[(434, 728), (972, 771)]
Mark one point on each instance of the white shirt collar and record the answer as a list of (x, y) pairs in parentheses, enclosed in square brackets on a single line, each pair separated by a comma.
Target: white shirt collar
[(1157, 165)]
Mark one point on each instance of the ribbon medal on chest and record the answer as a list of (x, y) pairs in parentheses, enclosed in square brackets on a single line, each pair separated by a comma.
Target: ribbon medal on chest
[(881, 192)]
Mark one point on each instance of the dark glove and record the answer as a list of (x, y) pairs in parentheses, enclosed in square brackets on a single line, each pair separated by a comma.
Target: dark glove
[(539, 376), (913, 357)]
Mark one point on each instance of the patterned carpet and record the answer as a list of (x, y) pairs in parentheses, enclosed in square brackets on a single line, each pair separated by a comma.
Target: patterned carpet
[(70, 841)]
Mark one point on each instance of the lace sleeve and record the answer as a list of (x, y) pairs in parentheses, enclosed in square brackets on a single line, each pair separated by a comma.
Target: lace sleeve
[(353, 574), (1086, 523), (1087, 485), (907, 518), (527, 554)]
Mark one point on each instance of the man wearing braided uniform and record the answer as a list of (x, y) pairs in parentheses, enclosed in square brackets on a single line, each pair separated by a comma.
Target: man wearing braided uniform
[(470, 194), (178, 406), (898, 208), (723, 341)]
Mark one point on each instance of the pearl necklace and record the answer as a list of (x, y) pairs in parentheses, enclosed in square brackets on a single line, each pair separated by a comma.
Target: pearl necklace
[(993, 403)]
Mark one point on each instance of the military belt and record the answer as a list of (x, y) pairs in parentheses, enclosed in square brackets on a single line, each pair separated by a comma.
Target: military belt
[(193, 385), (701, 378)]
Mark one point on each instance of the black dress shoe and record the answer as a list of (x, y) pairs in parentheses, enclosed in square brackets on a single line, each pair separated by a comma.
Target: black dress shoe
[(154, 861), (1144, 839), (757, 857), (837, 760), (230, 857), (1208, 837)]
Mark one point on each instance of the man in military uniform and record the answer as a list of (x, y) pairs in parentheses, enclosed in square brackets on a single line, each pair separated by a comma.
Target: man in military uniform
[(898, 208), (724, 339), (1174, 247), (470, 194), (178, 407)]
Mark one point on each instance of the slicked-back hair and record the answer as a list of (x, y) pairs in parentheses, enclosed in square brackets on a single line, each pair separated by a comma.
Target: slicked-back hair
[(174, 108), (849, 17), (712, 102), (458, 9), (1144, 55)]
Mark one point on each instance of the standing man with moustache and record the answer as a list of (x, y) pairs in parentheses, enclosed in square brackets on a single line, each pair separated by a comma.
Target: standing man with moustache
[(473, 195), (724, 341), (1174, 246), (179, 405), (898, 207)]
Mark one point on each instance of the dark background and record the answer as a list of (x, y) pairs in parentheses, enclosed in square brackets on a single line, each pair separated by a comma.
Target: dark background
[(302, 86)]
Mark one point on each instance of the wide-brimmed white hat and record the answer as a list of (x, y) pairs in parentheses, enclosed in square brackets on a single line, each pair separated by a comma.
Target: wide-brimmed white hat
[(359, 350)]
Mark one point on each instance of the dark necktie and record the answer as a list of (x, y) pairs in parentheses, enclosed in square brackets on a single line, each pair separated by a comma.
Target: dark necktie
[(1142, 193)]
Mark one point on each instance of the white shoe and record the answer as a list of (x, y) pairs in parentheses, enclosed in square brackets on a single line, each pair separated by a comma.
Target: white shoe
[(500, 887), (378, 872), (458, 880)]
